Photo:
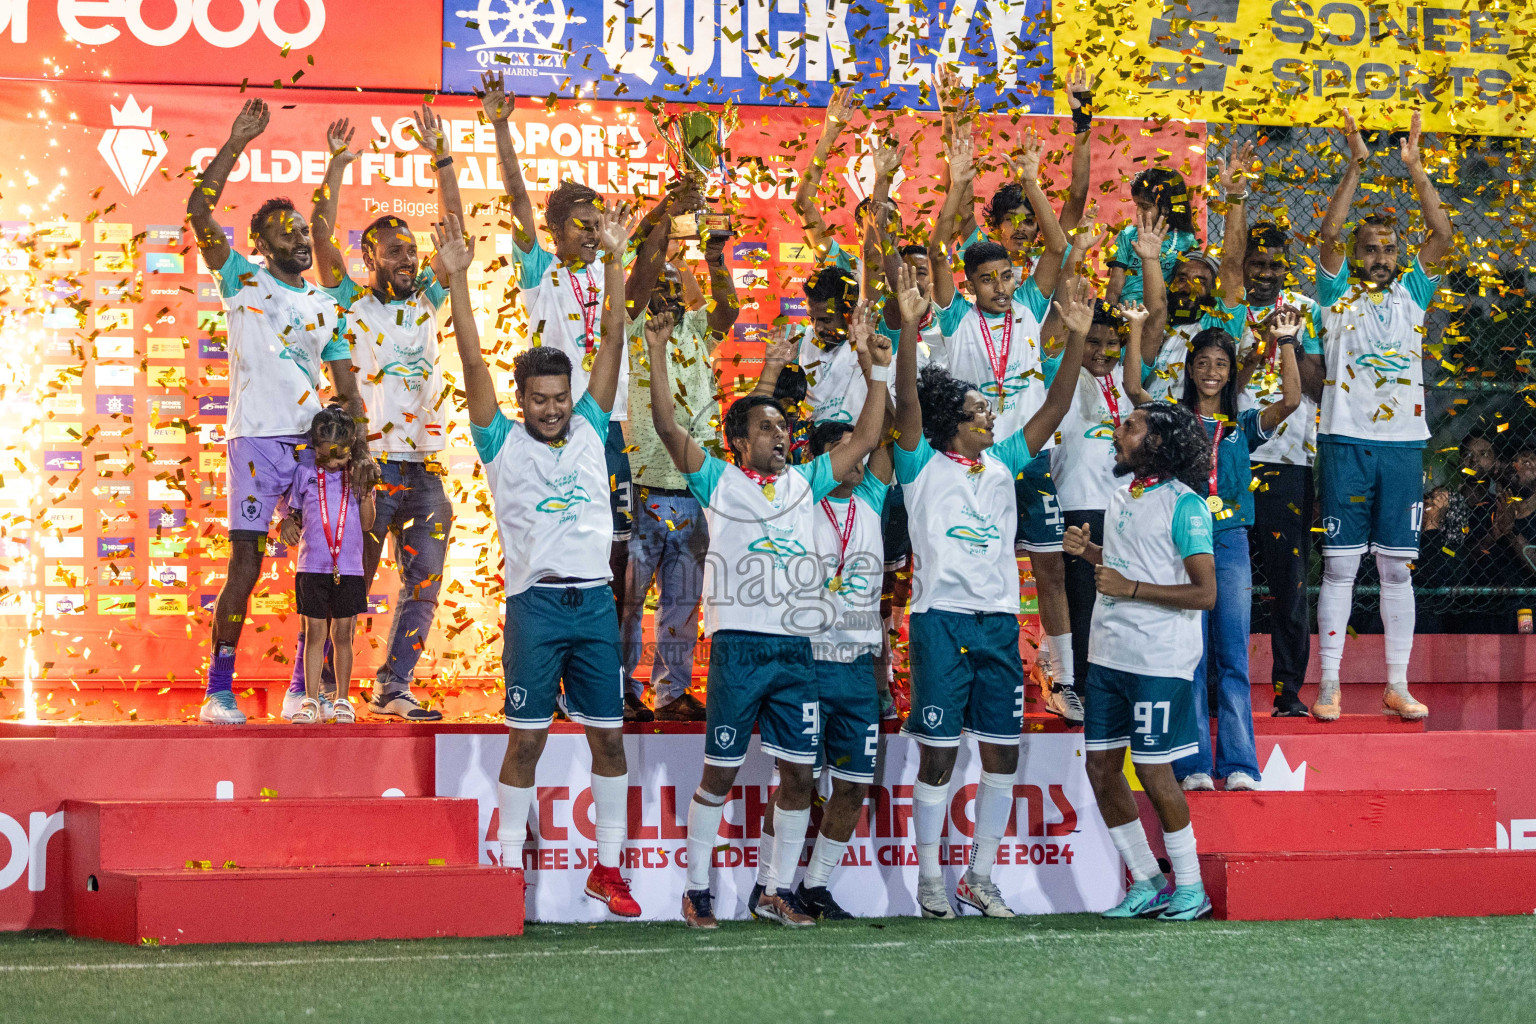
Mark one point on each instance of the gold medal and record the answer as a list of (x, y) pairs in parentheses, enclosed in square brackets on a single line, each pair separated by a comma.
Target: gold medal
[(835, 583), (1214, 503), (1137, 490), (588, 360), (768, 490), (336, 578), (977, 468)]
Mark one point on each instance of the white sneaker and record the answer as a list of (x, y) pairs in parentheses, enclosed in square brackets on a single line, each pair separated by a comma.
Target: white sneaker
[(933, 899), (342, 712), (982, 894), (220, 709), (309, 712), (291, 701), (1240, 782), (1199, 782), (1064, 702)]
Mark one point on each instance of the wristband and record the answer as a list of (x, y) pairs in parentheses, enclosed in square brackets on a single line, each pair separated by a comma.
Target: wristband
[(880, 374), (1135, 589), (1082, 120), (446, 161), (1236, 197)]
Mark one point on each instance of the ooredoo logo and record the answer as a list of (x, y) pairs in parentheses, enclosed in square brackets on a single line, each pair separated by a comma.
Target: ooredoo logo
[(102, 17), (131, 147)]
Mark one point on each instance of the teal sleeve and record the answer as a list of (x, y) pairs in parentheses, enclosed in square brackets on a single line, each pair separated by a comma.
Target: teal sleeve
[(1248, 423), (975, 236), (1028, 293), (1192, 526), (872, 491), (909, 464), (531, 265), (1332, 289), (1312, 337), (838, 256), (230, 274), (1014, 452), (338, 347), (488, 440), (885, 330), (1232, 319), (1183, 242), (703, 483), (951, 315), (1125, 253), (1048, 369), (1420, 285), (588, 409), (432, 289), (345, 293), (818, 473)]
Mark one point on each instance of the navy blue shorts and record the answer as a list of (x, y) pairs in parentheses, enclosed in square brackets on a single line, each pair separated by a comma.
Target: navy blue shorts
[(1153, 715), (1372, 497), (761, 679), (620, 493), (850, 717), (569, 635), (967, 676), (1041, 524)]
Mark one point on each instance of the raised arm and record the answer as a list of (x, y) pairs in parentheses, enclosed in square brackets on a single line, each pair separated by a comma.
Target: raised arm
[(434, 139), (208, 186), (330, 265), (497, 106), (961, 155), (1052, 332), (871, 267), (1150, 230), (1438, 244), (1074, 305), (909, 412), (1331, 255), (1048, 267), (1137, 317), (1283, 329), (871, 422), (724, 307), (1080, 99), (614, 225), (1233, 181), (686, 454), (451, 264), (839, 110), (778, 352)]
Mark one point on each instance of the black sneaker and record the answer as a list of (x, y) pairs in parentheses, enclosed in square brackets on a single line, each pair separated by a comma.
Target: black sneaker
[(1290, 707), (686, 708), (818, 903), (636, 711)]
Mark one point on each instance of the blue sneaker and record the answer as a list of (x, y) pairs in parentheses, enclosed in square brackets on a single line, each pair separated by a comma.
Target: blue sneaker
[(1143, 899), (220, 709), (1189, 903)]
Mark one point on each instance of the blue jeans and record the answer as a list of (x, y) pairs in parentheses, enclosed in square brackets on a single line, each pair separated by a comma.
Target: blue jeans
[(411, 504), (673, 556), (1226, 657)]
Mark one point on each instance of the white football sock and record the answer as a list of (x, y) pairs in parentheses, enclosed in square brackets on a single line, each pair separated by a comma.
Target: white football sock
[(512, 806), (1062, 670), (703, 832), (1131, 840), (1183, 856), (825, 856), (610, 799), (1334, 601), (1397, 617), (928, 824), (994, 803), (789, 829)]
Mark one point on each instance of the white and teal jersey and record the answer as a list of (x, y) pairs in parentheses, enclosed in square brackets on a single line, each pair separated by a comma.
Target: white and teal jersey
[(1163, 377), (280, 338), (1083, 461), (834, 382), (852, 595), (1294, 442), (1021, 390), (930, 347), (556, 316), (1146, 540), (761, 573), (963, 525), (394, 347), (551, 503), (1373, 347)]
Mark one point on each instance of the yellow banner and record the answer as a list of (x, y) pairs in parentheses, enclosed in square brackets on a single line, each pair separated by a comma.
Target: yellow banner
[(1468, 64)]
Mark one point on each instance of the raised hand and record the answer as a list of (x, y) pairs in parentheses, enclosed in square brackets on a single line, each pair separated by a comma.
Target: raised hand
[(1075, 540), (1075, 305), (909, 298), (455, 252), (1089, 231), (840, 108), (1357, 147), (950, 89), (962, 157), (1027, 163), (338, 140), (1133, 313), (251, 121), (658, 328), (1410, 146), (1079, 86), (888, 159), (615, 224), (1232, 172), (1285, 323), (429, 129), (861, 328), (1151, 229), (494, 101), (779, 348)]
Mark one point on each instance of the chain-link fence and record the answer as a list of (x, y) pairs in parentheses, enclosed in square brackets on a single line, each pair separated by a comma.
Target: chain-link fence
[(1477, 564)]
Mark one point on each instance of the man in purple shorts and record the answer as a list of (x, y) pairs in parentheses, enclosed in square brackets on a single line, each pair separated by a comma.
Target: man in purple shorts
[(282, 332)]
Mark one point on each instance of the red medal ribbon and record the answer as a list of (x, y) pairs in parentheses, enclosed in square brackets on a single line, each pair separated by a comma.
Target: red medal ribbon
[(761, 479), (970, 464), (1141, 483), (1221, 428), (1107, 386), (333, 544), (588, 308), (999, 365), (844, 531), (1255, 322)]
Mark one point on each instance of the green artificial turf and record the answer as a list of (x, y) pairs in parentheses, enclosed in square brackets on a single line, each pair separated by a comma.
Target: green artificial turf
[(1058, 969)]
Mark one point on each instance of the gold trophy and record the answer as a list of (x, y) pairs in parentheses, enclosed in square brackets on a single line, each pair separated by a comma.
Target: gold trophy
[(696, 141)]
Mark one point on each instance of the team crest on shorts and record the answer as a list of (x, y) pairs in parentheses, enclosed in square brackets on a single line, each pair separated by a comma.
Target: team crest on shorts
[(251, 510), (1331, 527), (725, 736), (933, 716), (517, 697)]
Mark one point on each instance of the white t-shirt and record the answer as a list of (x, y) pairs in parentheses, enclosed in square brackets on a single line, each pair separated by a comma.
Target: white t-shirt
[(1083, 461), (853, 601), (394, 347), (280, 337), (1163, 378), (1294, 442), (834, 382), (551, 503), (1147, 539), (762, 573), (930, 350), (1373, 345), (558, 303), (1021, 391), (962, 525)]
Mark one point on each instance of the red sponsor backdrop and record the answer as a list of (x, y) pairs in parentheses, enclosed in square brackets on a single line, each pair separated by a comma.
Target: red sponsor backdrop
[(395, 44), (117, 522)]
